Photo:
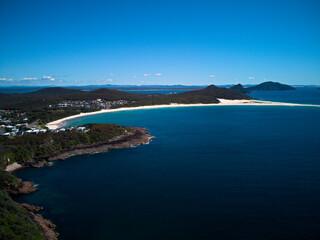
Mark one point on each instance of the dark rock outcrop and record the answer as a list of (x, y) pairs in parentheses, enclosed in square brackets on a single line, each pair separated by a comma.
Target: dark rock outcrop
[(22, 188), (46, 226)]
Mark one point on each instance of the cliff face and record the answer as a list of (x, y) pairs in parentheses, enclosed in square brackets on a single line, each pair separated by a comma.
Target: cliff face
[(271, 86)]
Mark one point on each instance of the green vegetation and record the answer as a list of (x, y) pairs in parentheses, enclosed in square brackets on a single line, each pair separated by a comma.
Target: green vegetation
[(8, 181), (24, 148), (15, 222)]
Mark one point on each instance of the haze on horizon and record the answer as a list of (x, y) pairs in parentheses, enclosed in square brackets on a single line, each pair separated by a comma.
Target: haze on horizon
[(159, 42)]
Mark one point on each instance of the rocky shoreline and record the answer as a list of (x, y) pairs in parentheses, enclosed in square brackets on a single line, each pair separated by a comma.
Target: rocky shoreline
[(137, 137), (131, 139), (46, 226)]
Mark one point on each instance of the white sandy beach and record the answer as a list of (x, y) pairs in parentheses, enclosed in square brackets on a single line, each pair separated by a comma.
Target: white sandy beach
[(12, 167), (223, 102)]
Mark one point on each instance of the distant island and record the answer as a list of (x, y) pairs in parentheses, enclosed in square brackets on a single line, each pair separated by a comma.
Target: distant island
[(271, 86)]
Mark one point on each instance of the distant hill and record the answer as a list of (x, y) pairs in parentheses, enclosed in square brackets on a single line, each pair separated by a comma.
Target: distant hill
[(41, 99), (240, 89), (271, 86), (55, 91), (209, 94), (213, 91)]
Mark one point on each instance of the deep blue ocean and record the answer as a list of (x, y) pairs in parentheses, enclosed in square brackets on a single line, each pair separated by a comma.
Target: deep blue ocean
[(222, 172)]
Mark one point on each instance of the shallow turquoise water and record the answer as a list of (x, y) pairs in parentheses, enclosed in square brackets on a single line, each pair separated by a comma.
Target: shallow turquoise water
[(233, 172)]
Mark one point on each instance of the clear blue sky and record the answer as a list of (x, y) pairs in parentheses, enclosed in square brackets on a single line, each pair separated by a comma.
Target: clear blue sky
[(52, 42)]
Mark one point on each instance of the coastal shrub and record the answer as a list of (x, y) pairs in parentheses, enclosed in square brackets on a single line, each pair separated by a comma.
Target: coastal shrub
[(8, 180), (24, 148), (15, 222)]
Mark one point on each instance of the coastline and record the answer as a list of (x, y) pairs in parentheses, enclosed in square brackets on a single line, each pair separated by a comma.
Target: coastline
[(140, 136), (132, 139), (223, 102)]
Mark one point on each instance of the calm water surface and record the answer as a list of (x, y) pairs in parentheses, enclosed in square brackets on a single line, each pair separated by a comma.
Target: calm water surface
[(233, 172)]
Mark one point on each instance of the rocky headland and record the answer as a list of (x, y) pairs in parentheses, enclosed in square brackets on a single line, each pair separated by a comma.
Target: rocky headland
[(130, 137)]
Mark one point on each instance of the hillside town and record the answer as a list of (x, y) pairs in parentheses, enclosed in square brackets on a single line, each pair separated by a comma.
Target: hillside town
[(15, 123), (90, 104)]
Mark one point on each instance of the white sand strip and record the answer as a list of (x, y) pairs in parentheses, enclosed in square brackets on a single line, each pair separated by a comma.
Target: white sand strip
[(12, 167), (223, 102)]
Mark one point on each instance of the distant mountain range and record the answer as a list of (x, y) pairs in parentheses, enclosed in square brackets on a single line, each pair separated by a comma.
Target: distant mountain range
[(266, 86), (44, 97)]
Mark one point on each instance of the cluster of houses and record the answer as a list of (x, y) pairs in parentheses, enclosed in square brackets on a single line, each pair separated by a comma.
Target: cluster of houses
[(8, 117), (35, 130), (14, 123), (94, 104)]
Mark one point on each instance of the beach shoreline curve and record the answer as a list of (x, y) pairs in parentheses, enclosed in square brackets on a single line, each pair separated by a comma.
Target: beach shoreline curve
[(223, 102)]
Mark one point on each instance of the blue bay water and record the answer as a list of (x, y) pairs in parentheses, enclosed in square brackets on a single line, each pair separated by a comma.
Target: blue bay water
[(232, 172)]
